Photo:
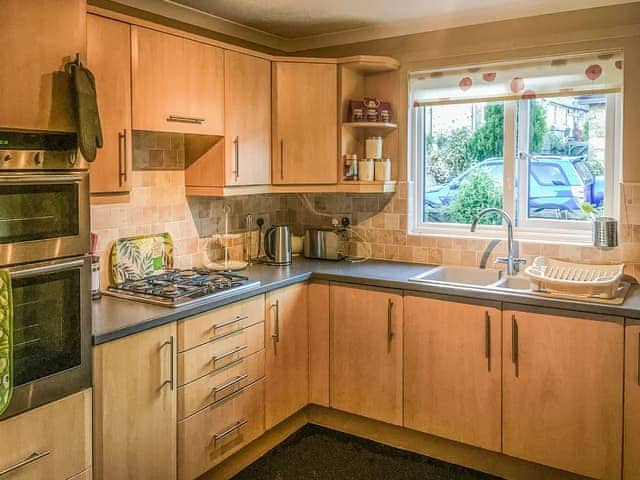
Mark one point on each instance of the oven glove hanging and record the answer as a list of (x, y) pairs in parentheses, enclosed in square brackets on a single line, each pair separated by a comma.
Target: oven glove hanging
[(6, 341), (86, 105)]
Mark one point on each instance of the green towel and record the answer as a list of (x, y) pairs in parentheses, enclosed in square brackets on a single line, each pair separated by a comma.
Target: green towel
[(6, 342)]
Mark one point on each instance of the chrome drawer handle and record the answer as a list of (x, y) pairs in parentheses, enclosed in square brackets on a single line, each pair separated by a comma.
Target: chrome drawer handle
[(170, 343), (233, 351), (181, 119), (229, 384), (226, 323), (233, 428), (34, 457), (276, 325)]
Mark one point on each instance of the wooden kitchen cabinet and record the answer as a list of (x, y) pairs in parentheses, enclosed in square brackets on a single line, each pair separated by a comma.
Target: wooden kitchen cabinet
[(244, 156), (109, 58), (287, 370), (305, 123), (135, 406), (632, 402), (563, 392), (366, 352), (55, 437), (452, 370), (35, 89), (319, 347), (178, 84)]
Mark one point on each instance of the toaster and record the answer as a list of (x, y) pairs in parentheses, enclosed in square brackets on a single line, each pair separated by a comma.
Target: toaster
[(322, 244)]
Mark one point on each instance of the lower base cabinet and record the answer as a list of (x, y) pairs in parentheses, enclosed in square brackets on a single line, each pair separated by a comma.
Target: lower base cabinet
[(453, 370), (563, 391), (135, 406), (287, 346), (218, 431), (51, 442), (366, 352), (632, 402)]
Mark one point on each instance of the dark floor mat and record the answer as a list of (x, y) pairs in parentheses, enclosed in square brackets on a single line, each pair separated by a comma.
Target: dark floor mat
[(317, 453)]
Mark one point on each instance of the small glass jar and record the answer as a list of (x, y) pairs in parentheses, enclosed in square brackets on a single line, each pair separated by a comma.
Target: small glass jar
[(351, 166)]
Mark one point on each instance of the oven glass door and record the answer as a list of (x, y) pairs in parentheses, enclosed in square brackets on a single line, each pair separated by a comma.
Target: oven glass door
[(43, 215), (47, 323)]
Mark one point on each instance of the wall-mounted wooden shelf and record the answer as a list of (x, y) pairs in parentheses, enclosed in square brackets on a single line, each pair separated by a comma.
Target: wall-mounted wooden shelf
[(343, 187), (374, 125), (369, 64)]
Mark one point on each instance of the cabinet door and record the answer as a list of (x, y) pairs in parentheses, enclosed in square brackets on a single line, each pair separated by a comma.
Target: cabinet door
[(135, 407), (38, 38), (248, 119), (287, 371), (319, 307), (562, 399), (632, 403), (366, 352), (305, 140), (452, 371), (109, 58), (178, 84)]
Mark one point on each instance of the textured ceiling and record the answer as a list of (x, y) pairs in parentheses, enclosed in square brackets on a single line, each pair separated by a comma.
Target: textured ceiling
[(293, 19)]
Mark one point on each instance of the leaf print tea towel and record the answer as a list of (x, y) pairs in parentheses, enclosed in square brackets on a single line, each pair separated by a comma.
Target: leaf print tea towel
[(6, 342), (133, 258)]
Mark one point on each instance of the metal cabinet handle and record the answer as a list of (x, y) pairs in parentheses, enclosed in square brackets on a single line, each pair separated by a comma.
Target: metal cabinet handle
[(226, 323), (282, 159), (389, 320), (487, 339), (233, 428), (514, 344), (182, 119), (122, 157), (170, 343), (276, 325), (230, 383), (236, 154), (233, 351), (34, 457)]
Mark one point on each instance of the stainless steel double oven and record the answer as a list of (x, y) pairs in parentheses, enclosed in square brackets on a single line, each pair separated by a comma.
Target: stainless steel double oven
[(44, 240)]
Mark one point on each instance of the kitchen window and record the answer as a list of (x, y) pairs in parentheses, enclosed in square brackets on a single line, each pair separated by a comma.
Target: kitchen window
[(540, 139)]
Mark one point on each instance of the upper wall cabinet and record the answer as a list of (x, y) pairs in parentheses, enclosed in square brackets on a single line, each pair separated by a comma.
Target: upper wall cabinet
[(305, 127), (35, 90), (109, 58), (243, 158), (178, 84)]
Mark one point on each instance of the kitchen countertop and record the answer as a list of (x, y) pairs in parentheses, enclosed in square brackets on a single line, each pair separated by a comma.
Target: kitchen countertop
[(115, 318)]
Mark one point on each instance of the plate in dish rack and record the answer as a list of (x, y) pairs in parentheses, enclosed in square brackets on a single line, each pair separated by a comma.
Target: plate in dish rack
[(133, 258), (554, 275)]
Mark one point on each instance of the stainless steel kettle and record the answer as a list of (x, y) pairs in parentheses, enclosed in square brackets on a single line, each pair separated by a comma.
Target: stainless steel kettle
[(277, 245)]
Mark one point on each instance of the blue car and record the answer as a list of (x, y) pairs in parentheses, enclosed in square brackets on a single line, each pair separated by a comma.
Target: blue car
[(558, 185)]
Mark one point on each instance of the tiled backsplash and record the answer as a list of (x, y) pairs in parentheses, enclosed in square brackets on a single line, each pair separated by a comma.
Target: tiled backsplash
[(158, 203), (158, 151)]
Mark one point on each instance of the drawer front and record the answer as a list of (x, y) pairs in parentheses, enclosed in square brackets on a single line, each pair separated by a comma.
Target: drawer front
[(51, 442), (212, 388), (200, 329), (210, 436), (215, 355)]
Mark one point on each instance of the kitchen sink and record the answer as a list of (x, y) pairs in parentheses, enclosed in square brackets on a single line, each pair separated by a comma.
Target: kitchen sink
[(454, 275), (513, 283)]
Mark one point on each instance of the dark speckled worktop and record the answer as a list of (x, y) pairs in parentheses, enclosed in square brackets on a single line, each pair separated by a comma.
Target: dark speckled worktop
[(115, 318)]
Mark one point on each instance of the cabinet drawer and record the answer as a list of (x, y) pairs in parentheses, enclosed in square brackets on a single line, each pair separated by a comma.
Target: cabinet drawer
[(212, 388), (200, 329), (51, 442), (210, 436), (213, 356)]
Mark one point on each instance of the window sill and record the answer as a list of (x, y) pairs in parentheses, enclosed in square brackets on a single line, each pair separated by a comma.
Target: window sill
[(581, 238)]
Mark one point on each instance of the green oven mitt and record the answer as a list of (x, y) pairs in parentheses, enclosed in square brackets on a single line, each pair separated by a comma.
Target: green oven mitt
[(6, 342)]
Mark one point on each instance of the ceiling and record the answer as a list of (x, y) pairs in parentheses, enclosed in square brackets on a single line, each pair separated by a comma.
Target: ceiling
[(291, 25)]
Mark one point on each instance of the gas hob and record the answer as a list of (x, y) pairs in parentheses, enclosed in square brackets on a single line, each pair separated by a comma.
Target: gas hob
[(177, 288)]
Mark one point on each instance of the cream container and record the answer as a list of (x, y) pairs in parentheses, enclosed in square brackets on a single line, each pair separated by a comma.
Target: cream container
[(366, 170), (382, 170), (373, 147)]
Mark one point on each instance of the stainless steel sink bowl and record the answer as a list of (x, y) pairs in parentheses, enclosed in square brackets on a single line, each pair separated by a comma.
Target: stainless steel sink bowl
[(454, 275), (513, 283)]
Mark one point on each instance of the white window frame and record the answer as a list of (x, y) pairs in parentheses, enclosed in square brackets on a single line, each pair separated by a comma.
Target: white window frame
[(552, 231)]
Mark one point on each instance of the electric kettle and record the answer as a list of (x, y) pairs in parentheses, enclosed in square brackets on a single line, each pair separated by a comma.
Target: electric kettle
[(277, 245)]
